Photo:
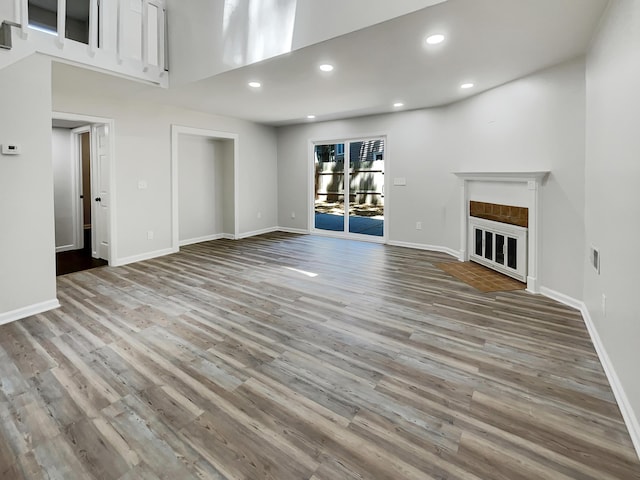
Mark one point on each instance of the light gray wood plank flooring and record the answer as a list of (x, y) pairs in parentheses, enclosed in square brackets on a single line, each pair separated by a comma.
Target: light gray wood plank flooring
[(298, 357)]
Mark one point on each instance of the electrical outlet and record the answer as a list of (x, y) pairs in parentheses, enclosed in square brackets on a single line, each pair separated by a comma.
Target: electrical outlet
[(293, 214), (604, 305), (418, 225), (150, 235)]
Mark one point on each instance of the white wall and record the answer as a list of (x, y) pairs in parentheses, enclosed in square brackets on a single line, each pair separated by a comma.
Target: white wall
[(7, 11), (203, 197), (63, 179), (612, 194), (142, 134), (27, 252), (536, 123)]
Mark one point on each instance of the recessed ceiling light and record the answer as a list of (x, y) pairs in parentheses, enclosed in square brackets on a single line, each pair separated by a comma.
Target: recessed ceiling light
[(255, 84), (326, 67), (435, 39), (311, 117), (398, 104), (466, 85)]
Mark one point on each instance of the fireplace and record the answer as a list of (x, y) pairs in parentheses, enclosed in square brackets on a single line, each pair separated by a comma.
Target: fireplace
[(498, 237), (499, 222)]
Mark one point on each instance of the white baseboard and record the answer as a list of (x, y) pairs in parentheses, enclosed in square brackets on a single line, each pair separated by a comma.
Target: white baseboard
[(256, 232), (431, 248), (206, 238), (299, 231), (228, 236), (628, 415), (144, 256), (25, 312), (564, 299), (66, 248)]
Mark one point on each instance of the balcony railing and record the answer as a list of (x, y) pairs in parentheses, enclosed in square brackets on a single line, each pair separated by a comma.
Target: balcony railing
[(124, 36)]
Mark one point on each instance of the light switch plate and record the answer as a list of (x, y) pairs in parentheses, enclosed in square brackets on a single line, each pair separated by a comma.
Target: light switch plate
[(11, 149)]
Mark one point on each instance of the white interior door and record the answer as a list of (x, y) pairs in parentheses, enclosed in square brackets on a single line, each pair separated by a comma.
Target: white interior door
[(101, 198)]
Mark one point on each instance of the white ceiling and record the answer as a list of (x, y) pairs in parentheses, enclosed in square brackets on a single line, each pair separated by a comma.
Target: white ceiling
[(488, 42), (220, 35)]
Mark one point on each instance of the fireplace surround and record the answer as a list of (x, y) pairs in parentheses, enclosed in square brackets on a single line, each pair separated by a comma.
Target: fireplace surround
[(519, 189)]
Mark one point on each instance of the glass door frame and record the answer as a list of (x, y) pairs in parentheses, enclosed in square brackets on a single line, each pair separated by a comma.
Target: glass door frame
[(347, 180)]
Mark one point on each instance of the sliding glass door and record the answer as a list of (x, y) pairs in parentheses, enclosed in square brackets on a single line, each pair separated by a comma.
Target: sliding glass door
[(329, 187), (349, 187)]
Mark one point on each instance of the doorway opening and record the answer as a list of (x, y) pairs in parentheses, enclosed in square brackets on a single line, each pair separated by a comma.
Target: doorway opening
[(348, 188), (82, 203), (204, 172)]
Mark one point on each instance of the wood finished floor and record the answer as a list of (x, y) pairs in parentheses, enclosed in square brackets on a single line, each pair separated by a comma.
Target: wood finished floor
[(297, 357)]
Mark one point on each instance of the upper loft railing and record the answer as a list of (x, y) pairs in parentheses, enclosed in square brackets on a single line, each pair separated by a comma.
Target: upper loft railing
[(127, 37)]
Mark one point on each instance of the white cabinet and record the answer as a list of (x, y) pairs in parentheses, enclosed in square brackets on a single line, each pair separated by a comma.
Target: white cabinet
[(499, 246)]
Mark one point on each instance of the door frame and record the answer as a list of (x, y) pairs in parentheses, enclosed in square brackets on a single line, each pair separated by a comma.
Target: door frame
[(78, 208), (90, 121), (176, 131), (311, 187)]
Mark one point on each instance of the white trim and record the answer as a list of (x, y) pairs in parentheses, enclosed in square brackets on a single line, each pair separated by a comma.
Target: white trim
[(504, 176), (24, 18), (93, 27), (28, 311), (66, 248), (310, 185), (348, 236), (176, 131), (62, 22), (78, 203), (628, 415), (564, 299), (206, 238), (144, 32), (256, 232), (423, 246), (300, 231), (143, 256), (119, 32), (162, 56)]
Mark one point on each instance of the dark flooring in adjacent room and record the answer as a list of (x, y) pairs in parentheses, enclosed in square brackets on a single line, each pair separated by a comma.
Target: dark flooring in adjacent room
[(78, 260), (288, 357)]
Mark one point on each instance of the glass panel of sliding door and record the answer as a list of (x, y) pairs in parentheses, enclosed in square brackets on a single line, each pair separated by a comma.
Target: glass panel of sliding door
[(366, 187), (329, 187)]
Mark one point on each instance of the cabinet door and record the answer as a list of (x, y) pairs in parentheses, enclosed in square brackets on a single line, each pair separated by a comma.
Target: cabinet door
[(488, 245), (500, 249), (512, 253), (478, 241)]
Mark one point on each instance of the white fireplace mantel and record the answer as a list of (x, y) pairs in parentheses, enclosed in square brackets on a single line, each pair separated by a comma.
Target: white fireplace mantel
[(531, 181), (525, 177)]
